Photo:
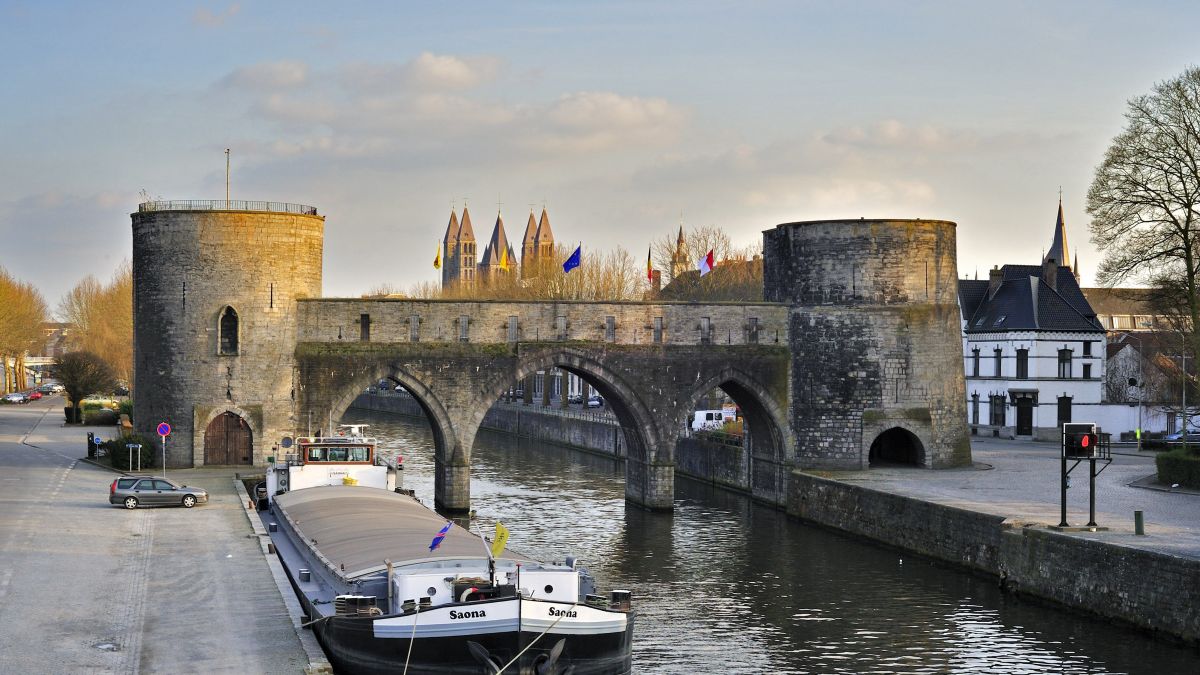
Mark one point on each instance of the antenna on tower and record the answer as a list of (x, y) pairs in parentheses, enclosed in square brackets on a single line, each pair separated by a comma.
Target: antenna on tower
[(226, 177)]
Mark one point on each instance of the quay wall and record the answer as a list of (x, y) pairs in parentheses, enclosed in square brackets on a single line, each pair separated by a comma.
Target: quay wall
[(1153, 591)]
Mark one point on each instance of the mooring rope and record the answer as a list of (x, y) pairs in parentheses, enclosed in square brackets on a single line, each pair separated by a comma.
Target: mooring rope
[(531, 643), (412, 638)]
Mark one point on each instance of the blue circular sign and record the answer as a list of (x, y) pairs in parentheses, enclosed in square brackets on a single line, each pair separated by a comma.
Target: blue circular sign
[(164, 429)]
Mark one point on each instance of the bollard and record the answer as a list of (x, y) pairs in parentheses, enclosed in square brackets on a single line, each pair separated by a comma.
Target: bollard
[(1139, 525)]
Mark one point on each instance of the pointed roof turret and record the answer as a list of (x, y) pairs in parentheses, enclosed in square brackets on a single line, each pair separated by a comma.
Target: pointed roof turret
[(530, 230), (496, 244), (451, 229), (544, 234), (465, 231), (679, 239), (1058, 248)]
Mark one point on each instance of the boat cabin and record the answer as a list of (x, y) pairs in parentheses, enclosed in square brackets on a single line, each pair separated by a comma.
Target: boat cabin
[(346, 459)]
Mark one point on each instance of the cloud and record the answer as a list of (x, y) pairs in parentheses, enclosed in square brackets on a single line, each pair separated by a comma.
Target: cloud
[(203, 16), (429, 103), (269, 75)]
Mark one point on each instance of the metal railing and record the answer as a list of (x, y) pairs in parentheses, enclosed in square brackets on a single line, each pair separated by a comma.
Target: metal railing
[(226, 205)]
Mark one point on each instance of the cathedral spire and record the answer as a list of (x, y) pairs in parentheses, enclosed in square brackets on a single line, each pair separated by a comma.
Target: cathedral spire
[(1058, 248)]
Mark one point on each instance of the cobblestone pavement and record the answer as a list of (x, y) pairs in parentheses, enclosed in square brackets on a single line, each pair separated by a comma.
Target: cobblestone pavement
[(86, 587), (1020, 480)]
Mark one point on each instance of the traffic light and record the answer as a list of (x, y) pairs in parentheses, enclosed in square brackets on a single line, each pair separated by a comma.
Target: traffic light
[(1080, 441)]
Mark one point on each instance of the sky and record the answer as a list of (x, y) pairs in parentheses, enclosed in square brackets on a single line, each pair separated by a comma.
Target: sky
[(624, 119)]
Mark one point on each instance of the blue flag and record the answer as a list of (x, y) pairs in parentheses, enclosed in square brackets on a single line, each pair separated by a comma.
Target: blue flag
[(437, 538), (573, 261)]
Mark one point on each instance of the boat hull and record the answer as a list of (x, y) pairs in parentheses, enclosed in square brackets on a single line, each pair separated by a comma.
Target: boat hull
[(371, 645)]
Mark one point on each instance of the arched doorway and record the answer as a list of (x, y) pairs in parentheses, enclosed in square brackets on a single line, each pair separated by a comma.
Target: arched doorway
[(897, 446), (228, 440)]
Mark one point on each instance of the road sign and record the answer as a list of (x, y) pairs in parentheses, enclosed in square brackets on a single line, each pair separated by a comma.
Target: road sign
[(164, 429)]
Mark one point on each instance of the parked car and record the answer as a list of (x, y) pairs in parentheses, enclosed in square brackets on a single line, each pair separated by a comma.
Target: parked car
[(575, 398), (15, 397), (102, 401), (1193, 438), (595, 402), (47, 389), (33, 395), (135, 491)]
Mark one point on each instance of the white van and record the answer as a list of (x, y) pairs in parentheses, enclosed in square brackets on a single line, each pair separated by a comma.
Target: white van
[(712, 419)]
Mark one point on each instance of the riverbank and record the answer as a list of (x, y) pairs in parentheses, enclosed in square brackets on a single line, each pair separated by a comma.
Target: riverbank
[(992, 518)]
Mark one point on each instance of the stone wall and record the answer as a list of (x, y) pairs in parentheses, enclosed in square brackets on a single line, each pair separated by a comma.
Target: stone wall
[(187, 267), (1155, 591)]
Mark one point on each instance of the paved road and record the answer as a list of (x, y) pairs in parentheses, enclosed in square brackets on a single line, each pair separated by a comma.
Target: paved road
[(1020, 480), (90, 588)]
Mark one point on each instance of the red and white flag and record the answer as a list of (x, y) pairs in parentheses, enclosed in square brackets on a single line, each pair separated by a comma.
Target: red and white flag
[(705, 264)]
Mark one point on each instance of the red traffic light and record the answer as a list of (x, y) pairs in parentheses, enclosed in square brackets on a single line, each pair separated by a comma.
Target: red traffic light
[(1085, 440)]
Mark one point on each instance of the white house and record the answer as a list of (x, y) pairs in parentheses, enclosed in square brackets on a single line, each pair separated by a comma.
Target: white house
[(1033, 349)]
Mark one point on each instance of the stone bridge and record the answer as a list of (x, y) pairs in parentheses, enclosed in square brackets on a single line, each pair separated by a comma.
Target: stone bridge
[(652, 363), (855, 358)]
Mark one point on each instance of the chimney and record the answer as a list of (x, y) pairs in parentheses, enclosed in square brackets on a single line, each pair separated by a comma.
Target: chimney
[(1050, 273), (656, 283), (995, 278)]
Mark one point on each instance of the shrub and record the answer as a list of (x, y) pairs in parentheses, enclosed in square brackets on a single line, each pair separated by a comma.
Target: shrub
[(98, 414), (126, 408), (118, 452), (1177, 467)]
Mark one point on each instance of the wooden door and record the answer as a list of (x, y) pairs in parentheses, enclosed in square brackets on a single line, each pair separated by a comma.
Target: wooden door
[(228, 440)]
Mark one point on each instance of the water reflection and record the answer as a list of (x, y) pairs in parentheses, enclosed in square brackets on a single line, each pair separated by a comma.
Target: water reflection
[(724, 585)]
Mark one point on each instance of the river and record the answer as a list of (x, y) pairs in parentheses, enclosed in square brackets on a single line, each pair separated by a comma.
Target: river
[(723, 585)]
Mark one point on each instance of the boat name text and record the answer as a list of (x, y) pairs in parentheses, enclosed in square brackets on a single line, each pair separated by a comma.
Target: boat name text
[(565, 613), (473, 614)]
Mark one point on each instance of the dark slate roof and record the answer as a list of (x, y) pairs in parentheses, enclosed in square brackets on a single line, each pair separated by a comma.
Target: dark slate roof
[(1023, 301)]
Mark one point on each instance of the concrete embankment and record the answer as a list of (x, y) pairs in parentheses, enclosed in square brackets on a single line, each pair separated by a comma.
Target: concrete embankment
[(994, 525), (1114, 579)]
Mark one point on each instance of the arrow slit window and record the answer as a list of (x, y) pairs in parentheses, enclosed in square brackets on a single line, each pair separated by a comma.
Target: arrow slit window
[(227, 332)]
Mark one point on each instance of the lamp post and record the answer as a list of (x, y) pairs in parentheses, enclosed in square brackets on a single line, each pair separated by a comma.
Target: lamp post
[(1140, 383)]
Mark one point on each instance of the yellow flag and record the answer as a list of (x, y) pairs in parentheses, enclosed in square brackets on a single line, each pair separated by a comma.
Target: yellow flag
[(504, 260), (437, 260), (500, 541)]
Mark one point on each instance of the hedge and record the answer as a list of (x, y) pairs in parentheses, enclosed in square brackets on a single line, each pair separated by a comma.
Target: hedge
[(119, 455), (1177, 467)]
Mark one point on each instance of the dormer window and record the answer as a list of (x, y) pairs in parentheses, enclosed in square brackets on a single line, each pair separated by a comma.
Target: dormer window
[(227, 332), (1000, 320), (979, 321)]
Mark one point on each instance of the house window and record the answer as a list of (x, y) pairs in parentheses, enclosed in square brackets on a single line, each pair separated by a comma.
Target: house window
[(561, 325), (997, 410), (227, 327), (364, 327), (1064, 409), (1087, 371), (464, 325), (975, 362), (610, 329), (999, 355), (752, 330), (512, 328), (1022, 364), (414, 328), (705, 330), (1064, 364), (658, 330), (1087, 348), (974, 408)]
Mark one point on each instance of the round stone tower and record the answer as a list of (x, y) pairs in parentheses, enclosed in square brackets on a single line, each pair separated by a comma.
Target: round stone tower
[(215, 286), (877, 370)]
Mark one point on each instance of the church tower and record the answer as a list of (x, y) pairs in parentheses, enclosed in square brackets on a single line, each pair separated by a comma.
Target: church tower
[(450, 259), (544, 238), (1058, 247), (465, 257), (680, 262), (529, 247), (497, 256)]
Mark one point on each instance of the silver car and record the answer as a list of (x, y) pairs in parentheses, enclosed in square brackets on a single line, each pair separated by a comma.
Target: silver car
[(135, 491)]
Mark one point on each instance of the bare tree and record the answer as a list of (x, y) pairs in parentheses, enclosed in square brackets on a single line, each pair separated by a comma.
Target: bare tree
[(82, 373), (1145, 200), (101, 318), (22, 313)]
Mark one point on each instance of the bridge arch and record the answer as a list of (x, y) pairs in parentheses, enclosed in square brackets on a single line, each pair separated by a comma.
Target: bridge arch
[(897, 445), (768, 455)]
